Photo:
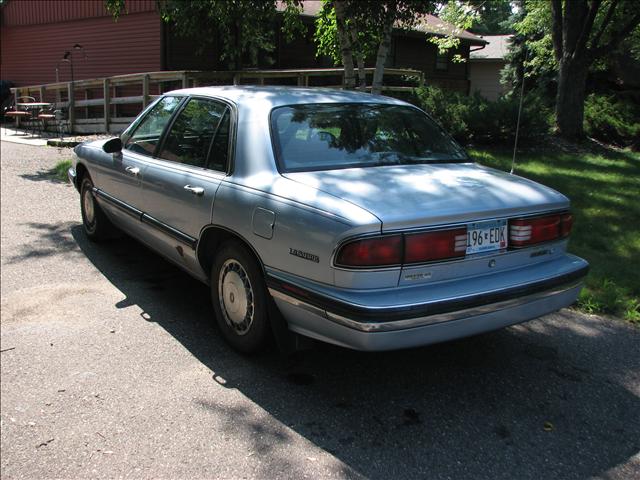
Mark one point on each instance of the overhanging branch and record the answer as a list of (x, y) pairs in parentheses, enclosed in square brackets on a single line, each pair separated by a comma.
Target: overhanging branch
[(587, 27), (605, 21)]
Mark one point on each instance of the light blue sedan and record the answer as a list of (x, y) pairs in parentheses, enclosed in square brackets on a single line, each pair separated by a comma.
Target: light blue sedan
[(345, 217)]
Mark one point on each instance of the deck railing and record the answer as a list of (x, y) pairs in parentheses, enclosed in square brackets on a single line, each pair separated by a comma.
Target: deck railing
[(110, 104)]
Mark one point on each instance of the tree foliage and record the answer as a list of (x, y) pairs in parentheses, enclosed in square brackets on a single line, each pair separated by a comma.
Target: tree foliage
[(361, 29), (242, 29), (491, 17), (566, 39)]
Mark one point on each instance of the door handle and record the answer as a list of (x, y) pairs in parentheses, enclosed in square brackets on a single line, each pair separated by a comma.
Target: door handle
[(133, 170), (195, 190)]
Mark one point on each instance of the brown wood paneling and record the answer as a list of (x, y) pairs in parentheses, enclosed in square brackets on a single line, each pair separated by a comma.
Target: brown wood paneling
[(418, 53), (185, 53), (131, 45), (37, 12)]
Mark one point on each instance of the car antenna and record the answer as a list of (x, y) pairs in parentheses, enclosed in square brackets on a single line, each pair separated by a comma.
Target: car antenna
[(515, 144)]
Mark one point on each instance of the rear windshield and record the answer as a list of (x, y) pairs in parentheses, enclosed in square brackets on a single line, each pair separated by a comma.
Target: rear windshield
[(330, 136)]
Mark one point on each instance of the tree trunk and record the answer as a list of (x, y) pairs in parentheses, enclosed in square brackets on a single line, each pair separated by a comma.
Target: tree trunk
[(345, 46), (362, 74), (572, 79), (237, 57), (381, 58)]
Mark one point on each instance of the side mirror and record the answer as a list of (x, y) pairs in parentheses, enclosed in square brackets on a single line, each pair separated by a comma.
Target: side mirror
[(113, 145)]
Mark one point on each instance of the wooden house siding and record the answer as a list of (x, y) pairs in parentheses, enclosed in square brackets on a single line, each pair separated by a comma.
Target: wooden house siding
[(35, 34), (31, 48), (418, 53), (38, 12)]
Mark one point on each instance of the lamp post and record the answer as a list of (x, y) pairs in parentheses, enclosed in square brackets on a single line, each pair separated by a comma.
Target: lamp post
[(58, 81), (68, 57)]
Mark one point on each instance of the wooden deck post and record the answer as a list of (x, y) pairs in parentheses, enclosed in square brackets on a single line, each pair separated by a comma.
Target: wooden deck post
[(71, 106), (185, 80), (145, 91), (107, 103), (16, 95), (41, 91), (86, 109)]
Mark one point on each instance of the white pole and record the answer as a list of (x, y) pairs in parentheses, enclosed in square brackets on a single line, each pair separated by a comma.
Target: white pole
[(515, 145)]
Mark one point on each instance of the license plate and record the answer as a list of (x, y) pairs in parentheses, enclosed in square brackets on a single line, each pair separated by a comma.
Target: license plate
[(486, 236)]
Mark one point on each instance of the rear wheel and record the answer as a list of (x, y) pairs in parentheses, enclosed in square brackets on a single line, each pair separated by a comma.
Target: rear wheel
[(239, 298), (96, 224)]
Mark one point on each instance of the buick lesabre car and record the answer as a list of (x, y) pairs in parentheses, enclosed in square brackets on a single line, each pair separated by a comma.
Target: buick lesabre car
[(341, 216)]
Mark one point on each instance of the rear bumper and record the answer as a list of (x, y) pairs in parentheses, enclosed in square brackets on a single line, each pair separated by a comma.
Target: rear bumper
[(471, 307)]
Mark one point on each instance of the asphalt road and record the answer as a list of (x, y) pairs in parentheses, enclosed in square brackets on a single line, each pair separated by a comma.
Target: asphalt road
[(111, 367)]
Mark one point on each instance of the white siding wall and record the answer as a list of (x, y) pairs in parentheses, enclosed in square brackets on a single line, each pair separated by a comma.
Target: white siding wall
[(485, 78)]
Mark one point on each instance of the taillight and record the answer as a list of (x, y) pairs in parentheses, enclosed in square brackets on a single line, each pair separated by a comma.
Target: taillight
[(530, 231), (438, 245), (566, 223), (404, 249), (371, 252)]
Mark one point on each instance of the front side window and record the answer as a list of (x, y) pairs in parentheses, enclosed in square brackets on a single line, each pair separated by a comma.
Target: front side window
[(146, 135), (191, 139), (329, 136)]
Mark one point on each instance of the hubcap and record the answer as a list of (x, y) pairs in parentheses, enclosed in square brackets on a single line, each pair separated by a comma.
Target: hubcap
[(235, 295), (89, 213)]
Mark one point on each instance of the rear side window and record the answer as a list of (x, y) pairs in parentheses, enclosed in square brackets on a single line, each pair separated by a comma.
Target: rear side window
[(146, 135), (199, 136)]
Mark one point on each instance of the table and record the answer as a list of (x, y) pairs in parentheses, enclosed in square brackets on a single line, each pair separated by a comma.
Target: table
[(32, 107), (34, 104)]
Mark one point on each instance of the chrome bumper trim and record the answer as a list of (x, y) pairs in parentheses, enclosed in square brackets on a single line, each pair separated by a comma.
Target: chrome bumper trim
[(298, 303), (372, 327), (71, 174)]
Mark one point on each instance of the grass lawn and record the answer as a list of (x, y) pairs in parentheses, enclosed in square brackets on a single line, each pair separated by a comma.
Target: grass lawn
[(604, 188)]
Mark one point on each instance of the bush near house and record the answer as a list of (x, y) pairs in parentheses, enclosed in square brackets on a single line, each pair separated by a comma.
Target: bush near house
[(612, 120), (473, 119)]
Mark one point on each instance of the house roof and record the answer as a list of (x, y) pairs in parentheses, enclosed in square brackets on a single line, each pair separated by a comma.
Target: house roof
[(436, 26), (496, 49), (429, 24)]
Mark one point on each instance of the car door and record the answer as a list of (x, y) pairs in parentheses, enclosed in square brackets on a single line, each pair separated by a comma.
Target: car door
[(180, 183), (121, 177)]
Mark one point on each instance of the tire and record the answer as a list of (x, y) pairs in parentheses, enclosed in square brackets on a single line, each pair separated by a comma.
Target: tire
[(239, 297), (96, 224)]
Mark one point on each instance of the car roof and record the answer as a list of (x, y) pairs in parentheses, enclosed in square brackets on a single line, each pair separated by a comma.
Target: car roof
[(276, 96)]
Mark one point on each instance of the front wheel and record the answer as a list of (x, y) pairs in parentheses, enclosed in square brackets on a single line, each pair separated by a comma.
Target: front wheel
[(96, 224), (239, 298)]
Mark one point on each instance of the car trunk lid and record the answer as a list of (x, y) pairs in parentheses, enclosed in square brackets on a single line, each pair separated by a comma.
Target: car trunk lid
[(414, 196)]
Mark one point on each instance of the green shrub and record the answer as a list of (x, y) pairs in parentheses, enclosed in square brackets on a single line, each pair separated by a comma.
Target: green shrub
[(611, 120), (451, 109), (61, 169), (475, 119)]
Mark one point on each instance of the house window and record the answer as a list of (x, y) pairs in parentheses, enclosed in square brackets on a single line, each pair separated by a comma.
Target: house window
[(442, 61)]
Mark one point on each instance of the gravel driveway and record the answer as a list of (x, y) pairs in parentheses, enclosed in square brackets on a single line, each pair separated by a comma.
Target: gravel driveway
[(111, 367)]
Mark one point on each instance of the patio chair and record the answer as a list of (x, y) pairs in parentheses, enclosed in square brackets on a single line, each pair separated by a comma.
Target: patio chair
[(21, 114), (45, 116)]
